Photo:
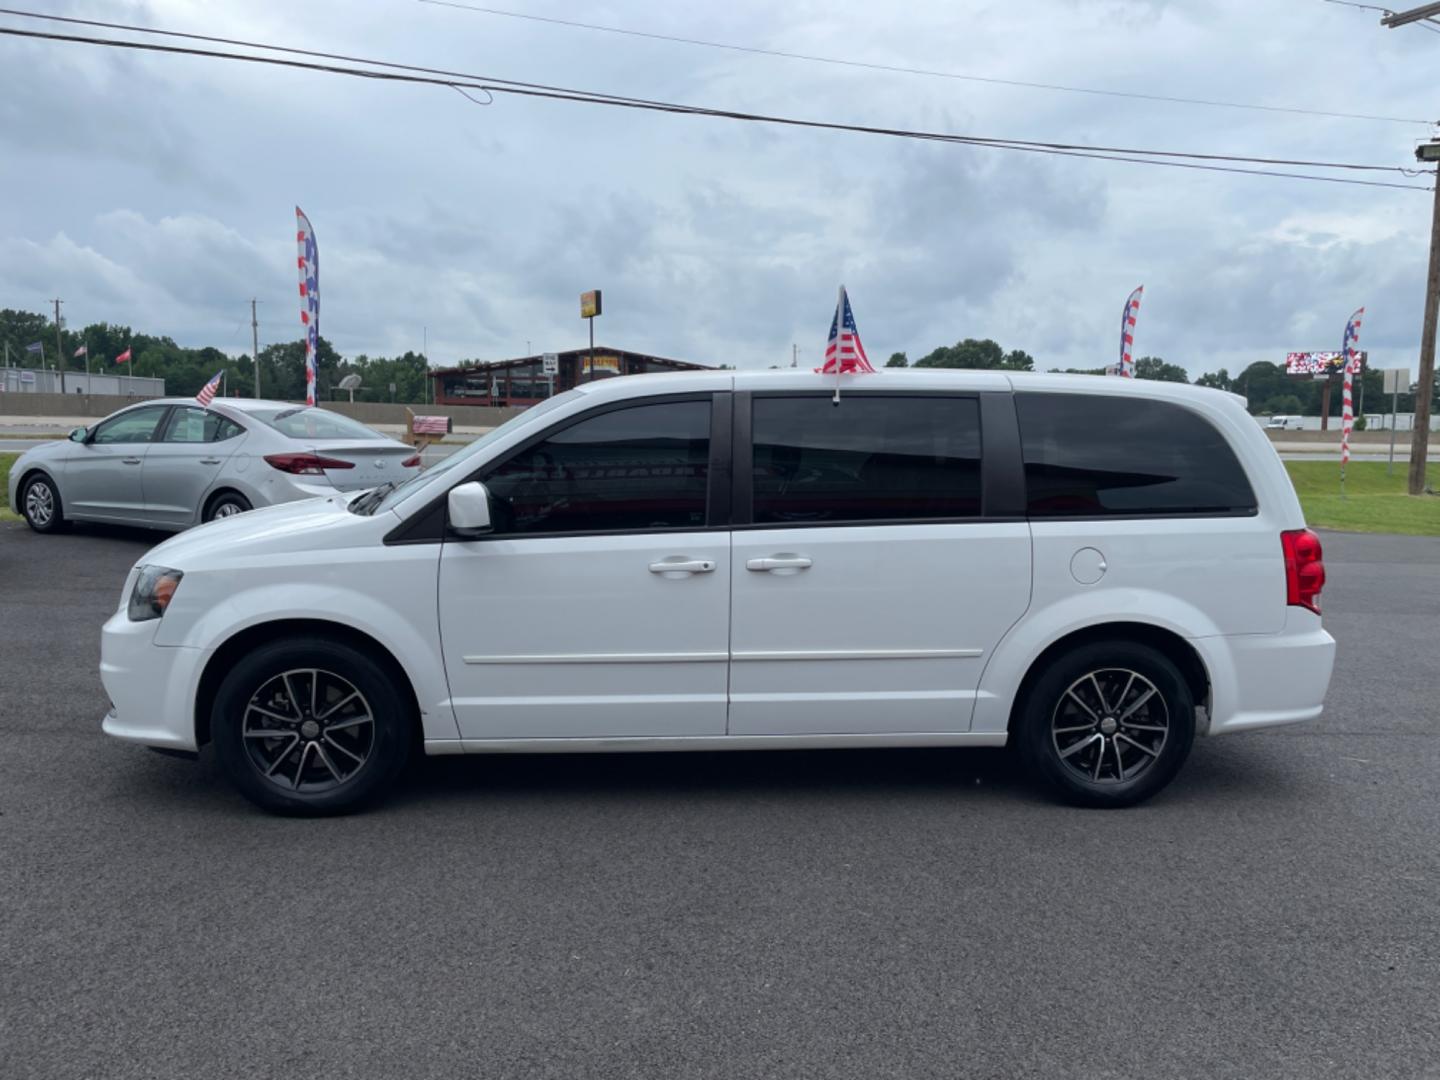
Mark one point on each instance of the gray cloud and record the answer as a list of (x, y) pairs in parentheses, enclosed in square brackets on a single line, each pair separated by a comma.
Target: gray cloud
[(160, 192)]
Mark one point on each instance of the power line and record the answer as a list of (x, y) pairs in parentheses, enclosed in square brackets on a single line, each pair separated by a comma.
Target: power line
[(1134, 156), (898, 69), (659, 105)]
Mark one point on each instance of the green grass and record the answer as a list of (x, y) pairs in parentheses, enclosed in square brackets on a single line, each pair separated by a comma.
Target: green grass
[(6, 460), (1373, 502)]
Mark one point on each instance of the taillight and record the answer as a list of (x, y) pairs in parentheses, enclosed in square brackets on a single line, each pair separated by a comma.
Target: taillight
[(305, 464), (412, 462), (1304, 568)]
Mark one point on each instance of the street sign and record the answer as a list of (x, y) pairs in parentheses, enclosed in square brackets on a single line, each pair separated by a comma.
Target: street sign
[(590, 304), (1397, 380), (550, 364)]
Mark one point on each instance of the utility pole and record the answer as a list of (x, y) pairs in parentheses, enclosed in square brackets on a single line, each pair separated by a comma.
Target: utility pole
[(255, 346), (59, 349), (1425, 389), (794, 355)]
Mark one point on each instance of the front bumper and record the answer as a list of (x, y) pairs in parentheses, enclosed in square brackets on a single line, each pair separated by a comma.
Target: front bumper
[(151, 687)]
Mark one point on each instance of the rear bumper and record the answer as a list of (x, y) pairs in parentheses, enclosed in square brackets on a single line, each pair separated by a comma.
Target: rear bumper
[(151, 687), (1266, 680)]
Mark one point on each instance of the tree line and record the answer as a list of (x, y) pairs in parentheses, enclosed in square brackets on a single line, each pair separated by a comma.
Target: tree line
[(1264, 385), (185, 370)]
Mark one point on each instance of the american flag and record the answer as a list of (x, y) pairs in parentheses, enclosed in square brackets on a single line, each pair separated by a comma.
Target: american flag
[(1352, 361), (843, 351), (1127, 334), (308, 260), (209, 390)]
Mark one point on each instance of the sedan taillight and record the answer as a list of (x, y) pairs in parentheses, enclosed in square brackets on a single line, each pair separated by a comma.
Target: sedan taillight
[(411, 462), (305, 464)]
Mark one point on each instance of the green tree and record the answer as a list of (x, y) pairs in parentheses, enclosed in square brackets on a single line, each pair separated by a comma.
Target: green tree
[(1152, 367), (977, 353), (1215, 380), (897, 360)]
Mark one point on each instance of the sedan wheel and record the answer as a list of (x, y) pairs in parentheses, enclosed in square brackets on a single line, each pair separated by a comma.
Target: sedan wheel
[(41, 505), (225, 506), (308, 725)]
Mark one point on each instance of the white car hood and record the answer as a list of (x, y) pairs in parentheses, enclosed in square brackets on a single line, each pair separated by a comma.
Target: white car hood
[(307, 525)]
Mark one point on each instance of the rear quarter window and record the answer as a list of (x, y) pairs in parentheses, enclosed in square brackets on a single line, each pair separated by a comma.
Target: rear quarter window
[(1090, 455)]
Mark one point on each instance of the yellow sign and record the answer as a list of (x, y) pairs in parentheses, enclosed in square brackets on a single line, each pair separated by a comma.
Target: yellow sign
[(590, 304), (605, 365)]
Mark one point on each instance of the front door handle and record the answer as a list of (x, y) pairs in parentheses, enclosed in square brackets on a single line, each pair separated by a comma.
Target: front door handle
[(678, 564), (130, 461), (779, 562), (210, 461)]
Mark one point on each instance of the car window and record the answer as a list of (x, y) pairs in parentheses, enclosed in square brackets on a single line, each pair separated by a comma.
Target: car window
[(193, 425), (136, 426), (305, 422), (633, 469), (1089, 455), (871, 458)]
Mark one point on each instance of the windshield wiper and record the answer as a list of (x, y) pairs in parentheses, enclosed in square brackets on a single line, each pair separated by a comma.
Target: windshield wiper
[(370, 499)]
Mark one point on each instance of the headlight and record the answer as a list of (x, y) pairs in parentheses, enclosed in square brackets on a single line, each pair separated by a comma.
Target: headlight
[(153, 590)]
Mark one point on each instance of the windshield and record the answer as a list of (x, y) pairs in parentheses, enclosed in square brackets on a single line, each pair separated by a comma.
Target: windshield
[(461, 460), (304, 422)]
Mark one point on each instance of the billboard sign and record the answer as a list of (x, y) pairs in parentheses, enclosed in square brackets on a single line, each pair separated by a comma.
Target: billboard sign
[(590, 304), (1318, 365), (604, 365)]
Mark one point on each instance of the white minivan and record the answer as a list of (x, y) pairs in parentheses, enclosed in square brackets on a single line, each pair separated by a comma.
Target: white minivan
[(1093, 569)]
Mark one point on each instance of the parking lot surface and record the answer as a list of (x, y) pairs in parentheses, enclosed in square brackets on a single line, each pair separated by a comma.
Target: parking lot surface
[(1276, 912)]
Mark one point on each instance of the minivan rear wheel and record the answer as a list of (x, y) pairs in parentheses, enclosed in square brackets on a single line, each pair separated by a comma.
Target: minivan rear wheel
[(310, 726), (1108, 724)]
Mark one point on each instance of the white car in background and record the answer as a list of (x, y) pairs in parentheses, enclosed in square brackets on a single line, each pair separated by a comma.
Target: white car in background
[(170, 464), (1095, 569)]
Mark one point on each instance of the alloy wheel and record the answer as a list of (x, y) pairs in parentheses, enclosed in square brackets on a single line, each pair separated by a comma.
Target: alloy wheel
[(308, 730), (1110, 726), (39, 503), (225, 510)]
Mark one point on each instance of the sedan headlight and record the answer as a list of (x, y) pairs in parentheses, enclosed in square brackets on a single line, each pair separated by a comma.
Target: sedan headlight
[(153, 590)]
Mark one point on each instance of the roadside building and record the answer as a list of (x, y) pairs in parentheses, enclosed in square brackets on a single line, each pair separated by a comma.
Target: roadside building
[(44, 381), (523, 380)]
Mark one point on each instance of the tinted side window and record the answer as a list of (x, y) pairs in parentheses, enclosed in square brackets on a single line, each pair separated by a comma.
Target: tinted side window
[(133, 427), (1089, 455), (870, 458), (634, 469)]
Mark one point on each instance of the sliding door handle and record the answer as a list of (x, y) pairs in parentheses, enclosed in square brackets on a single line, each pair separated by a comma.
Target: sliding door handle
[(779, 562), (679, 565)]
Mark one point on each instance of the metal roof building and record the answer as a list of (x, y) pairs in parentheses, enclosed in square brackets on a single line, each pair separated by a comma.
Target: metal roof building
[(523, 381)]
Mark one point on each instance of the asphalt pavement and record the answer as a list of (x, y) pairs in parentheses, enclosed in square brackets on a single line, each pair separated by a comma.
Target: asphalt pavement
[(1275, 913)]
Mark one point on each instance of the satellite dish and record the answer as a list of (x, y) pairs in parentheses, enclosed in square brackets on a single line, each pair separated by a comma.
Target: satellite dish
[(349, 383)]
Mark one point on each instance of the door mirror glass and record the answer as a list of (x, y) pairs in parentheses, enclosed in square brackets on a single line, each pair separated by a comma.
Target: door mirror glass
[(469, 508), (78, 434)]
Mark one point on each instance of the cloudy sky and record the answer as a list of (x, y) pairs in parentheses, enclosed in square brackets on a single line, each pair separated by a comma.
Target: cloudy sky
[(158, 191)]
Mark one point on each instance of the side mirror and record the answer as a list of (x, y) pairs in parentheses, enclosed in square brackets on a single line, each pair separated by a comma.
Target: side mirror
[(469, 509), (79, 434)]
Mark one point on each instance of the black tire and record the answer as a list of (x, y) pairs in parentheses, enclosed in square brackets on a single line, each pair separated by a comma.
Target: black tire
[(1115, 762), (306, 781), (224, 505), (47, 496)]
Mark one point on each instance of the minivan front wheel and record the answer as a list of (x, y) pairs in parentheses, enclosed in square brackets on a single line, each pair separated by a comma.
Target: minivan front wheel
[(310, 726), (1108, 724)]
